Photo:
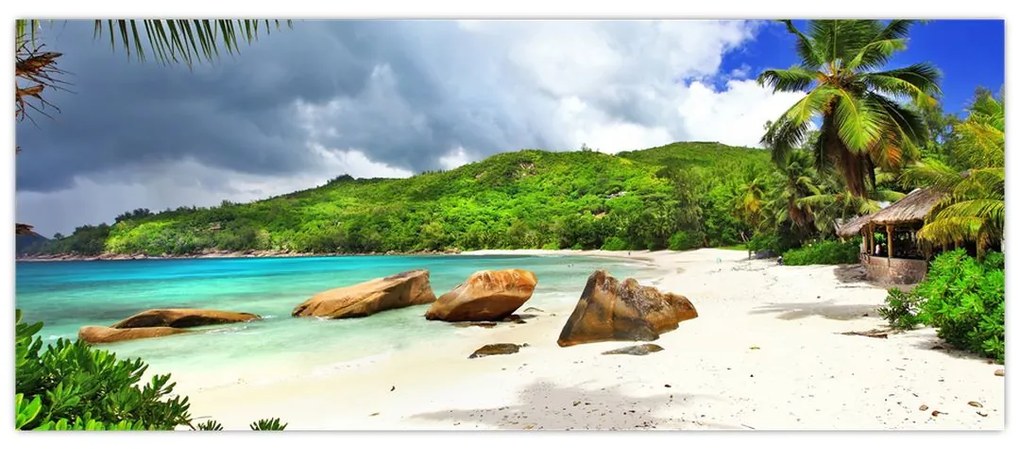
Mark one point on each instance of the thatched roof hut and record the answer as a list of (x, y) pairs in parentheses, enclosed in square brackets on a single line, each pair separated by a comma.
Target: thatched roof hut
[(853, 227), (911, 208)]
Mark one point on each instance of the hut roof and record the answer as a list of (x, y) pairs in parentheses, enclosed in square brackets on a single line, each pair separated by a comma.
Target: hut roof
[(853, 227), (911, 208)]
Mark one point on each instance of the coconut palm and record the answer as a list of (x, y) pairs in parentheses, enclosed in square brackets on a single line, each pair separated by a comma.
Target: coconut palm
[(837, 202), (973, 179), (864, 124), (750, 202), (799, 181)]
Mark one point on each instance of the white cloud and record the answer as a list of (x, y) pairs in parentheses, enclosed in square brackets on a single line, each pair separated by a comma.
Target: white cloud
[(733, 116), (455, 158), (740, 72)]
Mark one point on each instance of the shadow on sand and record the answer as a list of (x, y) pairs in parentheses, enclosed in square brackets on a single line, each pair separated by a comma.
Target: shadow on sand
[(546, 406), (934, 343), (827, 309)]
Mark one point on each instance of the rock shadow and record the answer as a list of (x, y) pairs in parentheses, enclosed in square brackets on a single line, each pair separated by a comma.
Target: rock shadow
[(543, 405)]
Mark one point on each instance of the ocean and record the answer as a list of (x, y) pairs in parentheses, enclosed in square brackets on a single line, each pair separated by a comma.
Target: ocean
[(68, 295)]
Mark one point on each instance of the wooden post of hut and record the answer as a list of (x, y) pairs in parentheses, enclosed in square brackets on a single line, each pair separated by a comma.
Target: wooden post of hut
[(871, 240), (889, 237)]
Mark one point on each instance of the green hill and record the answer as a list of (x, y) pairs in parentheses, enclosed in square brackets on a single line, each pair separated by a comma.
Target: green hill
[(524, 199)]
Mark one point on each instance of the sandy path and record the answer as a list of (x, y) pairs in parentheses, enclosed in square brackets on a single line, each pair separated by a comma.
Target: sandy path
[(766, 352)]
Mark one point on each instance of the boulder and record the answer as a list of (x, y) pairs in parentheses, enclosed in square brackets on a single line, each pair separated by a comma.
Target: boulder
[(489, 295), (612, 310), (399, 290), (497, 349), (183, 318), (103, 334)]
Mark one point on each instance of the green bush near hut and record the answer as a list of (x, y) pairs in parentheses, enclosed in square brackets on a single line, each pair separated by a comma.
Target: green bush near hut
[(966, 301), (826, 252), (963, 298)]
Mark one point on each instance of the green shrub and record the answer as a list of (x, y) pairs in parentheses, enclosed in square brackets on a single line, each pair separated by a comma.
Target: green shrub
[(901, 309), (71, 386), (764, 242), (267, 424), (615, 244), (827, 252), (965, 300), (682, 240)]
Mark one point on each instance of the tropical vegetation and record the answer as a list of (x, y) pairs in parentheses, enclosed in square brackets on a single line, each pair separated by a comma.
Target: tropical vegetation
[(969, 169), (961, 297), (68, 385), (679, 196), (863, 128)]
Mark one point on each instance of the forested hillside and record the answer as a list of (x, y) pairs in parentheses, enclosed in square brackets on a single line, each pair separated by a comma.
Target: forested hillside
[(678, 196)]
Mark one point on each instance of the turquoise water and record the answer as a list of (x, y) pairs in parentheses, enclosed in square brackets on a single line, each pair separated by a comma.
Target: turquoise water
[(68, 295)]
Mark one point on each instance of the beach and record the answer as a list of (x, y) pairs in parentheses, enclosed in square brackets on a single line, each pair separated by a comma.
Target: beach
[(767, 352)]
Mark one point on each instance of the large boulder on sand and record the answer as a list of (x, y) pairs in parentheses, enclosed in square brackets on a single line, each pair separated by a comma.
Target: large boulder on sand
[(399, 290), (103, 334), (489, 295), (611, 310), (183, 318)]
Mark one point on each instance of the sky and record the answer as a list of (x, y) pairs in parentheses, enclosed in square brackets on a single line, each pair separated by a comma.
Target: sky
[(394, 98)]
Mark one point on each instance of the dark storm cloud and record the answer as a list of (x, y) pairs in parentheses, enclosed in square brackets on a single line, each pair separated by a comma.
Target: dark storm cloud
[(403, 93), (237, 113)]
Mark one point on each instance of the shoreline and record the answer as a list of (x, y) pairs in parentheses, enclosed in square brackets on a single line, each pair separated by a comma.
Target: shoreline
[(642, 255), (250, 254), (771, 349)]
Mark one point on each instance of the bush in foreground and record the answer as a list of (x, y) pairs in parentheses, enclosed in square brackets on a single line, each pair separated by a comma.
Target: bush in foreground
[(828, 252), (71, 386), (901, 309), (965, 300)]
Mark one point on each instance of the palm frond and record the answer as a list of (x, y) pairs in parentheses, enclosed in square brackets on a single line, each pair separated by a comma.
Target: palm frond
[(932, 173), (875, 54), (917, 81), (809, 55), (187, 41), (789, 80), (950, 230), (858, 122)]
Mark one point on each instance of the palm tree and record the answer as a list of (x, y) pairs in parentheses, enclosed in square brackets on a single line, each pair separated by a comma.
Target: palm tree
[(750, 202), (799, 181), (839, 203), (973, 179), (863, 125)]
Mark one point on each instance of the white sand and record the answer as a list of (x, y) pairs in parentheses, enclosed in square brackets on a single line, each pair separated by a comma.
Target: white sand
[(765, 353)]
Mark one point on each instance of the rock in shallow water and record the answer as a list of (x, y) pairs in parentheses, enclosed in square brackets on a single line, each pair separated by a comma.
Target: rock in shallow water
[(399, 290), (183, 318), (103, 334), (644, 349), (489, 295), (497, 349), (611, 310)]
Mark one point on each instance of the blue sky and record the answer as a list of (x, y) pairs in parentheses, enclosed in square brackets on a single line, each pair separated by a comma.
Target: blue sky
[(970, 53)]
